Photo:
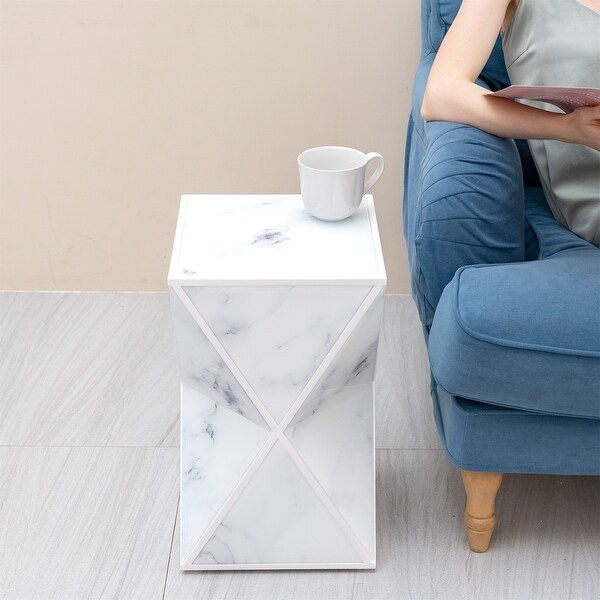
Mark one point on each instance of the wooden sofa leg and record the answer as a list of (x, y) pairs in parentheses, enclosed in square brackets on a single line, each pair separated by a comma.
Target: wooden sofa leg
[(480, 516)]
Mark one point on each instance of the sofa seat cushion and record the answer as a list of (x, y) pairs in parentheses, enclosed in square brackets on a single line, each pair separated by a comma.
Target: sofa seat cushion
[(523, 335), (482, 437)]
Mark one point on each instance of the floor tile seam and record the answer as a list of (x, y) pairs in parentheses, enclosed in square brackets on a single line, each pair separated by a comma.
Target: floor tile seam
[(126, 292), (164, 591), (70, 446), (123, 447)]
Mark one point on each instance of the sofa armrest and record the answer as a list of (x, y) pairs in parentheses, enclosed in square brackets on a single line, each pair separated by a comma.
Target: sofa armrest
[(463, 200)]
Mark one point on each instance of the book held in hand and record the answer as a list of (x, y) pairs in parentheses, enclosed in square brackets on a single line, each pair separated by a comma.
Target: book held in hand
[(566, 98)]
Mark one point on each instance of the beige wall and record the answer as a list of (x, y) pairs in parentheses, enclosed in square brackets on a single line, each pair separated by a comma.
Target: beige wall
[(111, 109)]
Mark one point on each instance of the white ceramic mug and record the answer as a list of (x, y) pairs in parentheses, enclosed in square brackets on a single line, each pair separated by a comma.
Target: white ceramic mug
[(332, 180)]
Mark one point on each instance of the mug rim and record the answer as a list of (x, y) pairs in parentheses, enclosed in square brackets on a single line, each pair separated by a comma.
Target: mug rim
[(365, 160)]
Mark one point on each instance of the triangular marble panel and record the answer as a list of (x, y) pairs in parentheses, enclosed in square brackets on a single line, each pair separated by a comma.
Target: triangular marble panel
[(202, 368), (278, 519), (277, 335), (336, 443), (354, 364), (218, 446)]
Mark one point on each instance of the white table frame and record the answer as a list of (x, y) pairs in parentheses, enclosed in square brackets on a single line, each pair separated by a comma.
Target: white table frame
[(367, 316)]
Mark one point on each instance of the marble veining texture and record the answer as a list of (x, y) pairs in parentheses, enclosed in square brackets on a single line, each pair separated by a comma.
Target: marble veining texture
[(336, 443), (272, 512), (278, 519), (202, 367), (277, 335), (217, 447), (353, 365), (272, 237)]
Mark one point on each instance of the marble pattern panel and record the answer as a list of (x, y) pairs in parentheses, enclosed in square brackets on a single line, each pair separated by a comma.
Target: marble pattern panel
[(336, 443), (278, 518), (203, 368), (354, 364), (228, 237), (277, 335), (218, 446), (327, 463)]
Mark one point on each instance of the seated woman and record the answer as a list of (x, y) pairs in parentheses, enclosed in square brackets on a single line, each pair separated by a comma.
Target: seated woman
[(545, 42)]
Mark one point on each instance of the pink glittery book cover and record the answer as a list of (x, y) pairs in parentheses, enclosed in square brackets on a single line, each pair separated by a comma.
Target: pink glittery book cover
[(566, 98)]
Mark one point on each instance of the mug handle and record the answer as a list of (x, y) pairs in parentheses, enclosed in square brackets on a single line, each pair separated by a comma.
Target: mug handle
[(378, 171)]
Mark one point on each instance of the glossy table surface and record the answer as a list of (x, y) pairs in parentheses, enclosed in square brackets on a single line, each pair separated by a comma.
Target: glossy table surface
[(273, 237)]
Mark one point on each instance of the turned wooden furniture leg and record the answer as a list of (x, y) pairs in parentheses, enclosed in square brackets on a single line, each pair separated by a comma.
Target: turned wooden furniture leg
[(480, 517)]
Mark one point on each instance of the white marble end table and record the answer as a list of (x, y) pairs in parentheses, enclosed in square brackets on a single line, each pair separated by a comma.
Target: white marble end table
[(277, 317)]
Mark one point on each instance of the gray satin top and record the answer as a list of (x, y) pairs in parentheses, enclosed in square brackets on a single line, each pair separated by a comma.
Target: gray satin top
[(557, 42)]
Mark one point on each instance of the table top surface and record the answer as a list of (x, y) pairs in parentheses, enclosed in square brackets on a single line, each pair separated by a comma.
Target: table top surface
[(262, 238)]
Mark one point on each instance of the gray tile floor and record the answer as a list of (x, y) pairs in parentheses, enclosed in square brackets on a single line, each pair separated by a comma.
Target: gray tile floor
[(89, 475)]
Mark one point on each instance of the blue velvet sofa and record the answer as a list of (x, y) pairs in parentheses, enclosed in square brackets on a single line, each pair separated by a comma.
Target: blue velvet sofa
[(508, 298)]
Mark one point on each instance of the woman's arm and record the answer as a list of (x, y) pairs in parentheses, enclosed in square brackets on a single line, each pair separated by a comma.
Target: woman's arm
[(452, 95)]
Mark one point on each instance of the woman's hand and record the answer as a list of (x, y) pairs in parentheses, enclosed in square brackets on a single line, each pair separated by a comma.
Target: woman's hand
[(582, 126)]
